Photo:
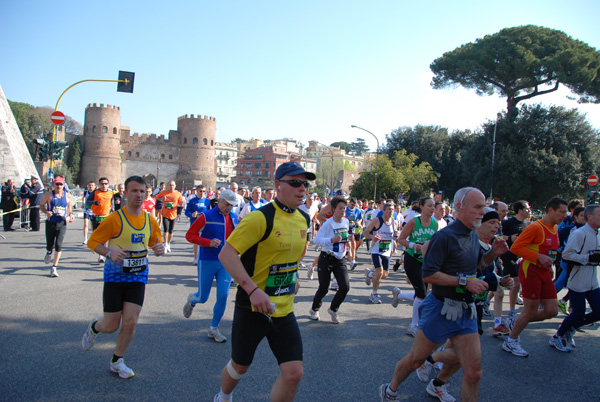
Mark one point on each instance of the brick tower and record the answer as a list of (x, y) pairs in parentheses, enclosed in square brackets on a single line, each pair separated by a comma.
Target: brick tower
[(197, 154)]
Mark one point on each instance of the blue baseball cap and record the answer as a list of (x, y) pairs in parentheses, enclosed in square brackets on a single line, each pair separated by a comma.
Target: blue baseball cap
[(292, 169)]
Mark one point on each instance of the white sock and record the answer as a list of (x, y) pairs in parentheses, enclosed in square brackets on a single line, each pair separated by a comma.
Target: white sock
[(415, 316), (497, 321), (223, 396), (212, 328), (406, 296)]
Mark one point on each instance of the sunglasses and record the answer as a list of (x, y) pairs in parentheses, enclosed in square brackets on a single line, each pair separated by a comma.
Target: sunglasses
[(59, 184), (296, 183), (104, 183)]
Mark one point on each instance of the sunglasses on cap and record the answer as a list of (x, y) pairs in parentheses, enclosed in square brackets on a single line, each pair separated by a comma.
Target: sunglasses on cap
[(296, 183)]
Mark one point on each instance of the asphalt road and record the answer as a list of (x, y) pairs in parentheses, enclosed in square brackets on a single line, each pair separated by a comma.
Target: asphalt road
[(42, 320)]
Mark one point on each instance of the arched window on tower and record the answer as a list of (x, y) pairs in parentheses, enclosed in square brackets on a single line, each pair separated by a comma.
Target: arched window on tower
[(211, 143), (195, 141), (129, 153), (204, 142), (114, 130), (104, 129), (170, 156), (93, 129), (185, 140), (137, 154)]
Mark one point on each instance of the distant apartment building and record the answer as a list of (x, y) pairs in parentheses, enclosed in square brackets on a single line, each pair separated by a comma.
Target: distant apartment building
[(226, 156)]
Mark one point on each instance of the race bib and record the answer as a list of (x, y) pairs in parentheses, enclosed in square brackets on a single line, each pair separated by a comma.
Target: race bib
[(553, 254), (282, 279), (135, 261), (60, 211), (384, 245), (169, 204), (342, 232), (99, 218)]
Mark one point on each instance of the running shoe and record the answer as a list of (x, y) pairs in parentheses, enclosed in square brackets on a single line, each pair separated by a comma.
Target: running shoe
[(424, 371), (302, 265), (396, 265), (519, 300), (100, 259), (440, 392), (53, 272), (560, 343), (120, 368), (383, 394), (569, 338), (167, 248), (374, 298), (562, 306), (335, 317), (310, 272), (395, 294), (188, 306), (514, 346), (216, 335), (510, 322), (412, 330), (353, 266), (314, 315), (84, 243), (89, 337), (500, 330), (195, 261), (334, 286), (47, 258), (367, 277)]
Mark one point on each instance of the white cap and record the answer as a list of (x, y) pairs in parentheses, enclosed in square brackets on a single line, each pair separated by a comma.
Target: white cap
[(229, 196)]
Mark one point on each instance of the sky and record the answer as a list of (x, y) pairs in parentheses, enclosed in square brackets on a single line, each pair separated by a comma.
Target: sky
[(268, 69)]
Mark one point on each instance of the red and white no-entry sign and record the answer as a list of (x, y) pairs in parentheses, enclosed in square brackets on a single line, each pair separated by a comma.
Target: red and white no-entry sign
[(593, 180), (57, 117)]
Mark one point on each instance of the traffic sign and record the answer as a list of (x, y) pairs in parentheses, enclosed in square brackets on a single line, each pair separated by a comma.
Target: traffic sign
[(593, 180), (57, 117)]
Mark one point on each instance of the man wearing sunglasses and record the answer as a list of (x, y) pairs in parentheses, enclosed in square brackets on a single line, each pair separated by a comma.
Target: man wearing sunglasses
[(262, 255), (57, 207), (100, 202)]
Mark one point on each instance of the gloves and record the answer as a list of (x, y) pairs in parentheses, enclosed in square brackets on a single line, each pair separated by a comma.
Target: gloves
[(452, 309), (594, 258), (472, 310)]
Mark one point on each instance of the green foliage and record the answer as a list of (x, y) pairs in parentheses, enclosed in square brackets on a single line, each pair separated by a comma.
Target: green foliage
[(359, 147), (522, 62), (545, 152), (74, 158), (399, 174), (328, 173), (343, 145)]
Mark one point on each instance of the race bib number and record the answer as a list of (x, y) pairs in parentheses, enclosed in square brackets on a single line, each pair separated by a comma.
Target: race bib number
[(553, 254), (282, 279), (60, 211), (384, 245), (136, 261), (342, 232), (100, 218), (169, 205)]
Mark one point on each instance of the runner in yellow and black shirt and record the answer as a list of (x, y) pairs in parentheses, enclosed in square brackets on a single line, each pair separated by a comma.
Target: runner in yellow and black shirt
[(130, 232), (270, 244)]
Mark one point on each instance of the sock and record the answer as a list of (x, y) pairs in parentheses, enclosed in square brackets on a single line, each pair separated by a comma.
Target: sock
[(415, 316), (353, 261), (430, 359), (223, 396), (389, 391), (115, 358), (437, 382), (212, 328), (497, 321), (406, 296)]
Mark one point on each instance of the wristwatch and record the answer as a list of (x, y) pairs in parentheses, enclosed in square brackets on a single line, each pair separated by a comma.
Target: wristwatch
[(462, 281)]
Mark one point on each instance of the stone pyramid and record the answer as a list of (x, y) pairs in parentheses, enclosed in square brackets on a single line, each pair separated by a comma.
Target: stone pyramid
[(15, 161)]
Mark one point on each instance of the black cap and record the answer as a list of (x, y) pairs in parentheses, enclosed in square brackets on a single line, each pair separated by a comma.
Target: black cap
[(292, 169)]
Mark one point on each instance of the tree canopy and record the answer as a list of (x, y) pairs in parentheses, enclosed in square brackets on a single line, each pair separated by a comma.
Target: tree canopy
[(342, 145), (522, 62), (359, 147)]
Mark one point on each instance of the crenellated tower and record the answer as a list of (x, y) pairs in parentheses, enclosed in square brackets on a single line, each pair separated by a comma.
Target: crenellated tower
[(197, 154), (102, 144)]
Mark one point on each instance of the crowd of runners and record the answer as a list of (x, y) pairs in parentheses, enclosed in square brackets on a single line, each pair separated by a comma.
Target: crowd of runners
[(459, 260)]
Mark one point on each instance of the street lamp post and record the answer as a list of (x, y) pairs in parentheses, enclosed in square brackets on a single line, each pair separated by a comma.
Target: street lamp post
[(376, 159)]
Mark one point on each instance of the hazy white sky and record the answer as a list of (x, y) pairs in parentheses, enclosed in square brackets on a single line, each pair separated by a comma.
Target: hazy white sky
[(268, 69)]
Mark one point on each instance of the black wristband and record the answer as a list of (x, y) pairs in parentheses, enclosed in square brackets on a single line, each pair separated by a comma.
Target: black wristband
[(253, 290)]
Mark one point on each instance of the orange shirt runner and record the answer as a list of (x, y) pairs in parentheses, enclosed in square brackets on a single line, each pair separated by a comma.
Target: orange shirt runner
[(172, 200)]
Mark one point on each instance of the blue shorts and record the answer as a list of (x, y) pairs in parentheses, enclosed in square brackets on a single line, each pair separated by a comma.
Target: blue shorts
[(381, 261), (436, 327)]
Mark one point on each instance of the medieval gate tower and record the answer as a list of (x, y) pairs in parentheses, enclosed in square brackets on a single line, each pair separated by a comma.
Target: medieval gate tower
[(187, 155)]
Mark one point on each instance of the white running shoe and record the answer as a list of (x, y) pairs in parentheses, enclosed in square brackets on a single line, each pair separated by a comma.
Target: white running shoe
[(310, 272), (302, 265), (519, 300), (514, 346), (216, 335), (395, 294), (374, 298), (424, 371), (314, 315), (47, 258), (53, 272), (335, 317), (412, 330), (188, 306), (167, 248), (560, 343), (440, 392), (195, 261), (84, 243), (367, 277), (569, 338), (89, 337), (120, 368), (334, 285), (383, 394), (100, 259)]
